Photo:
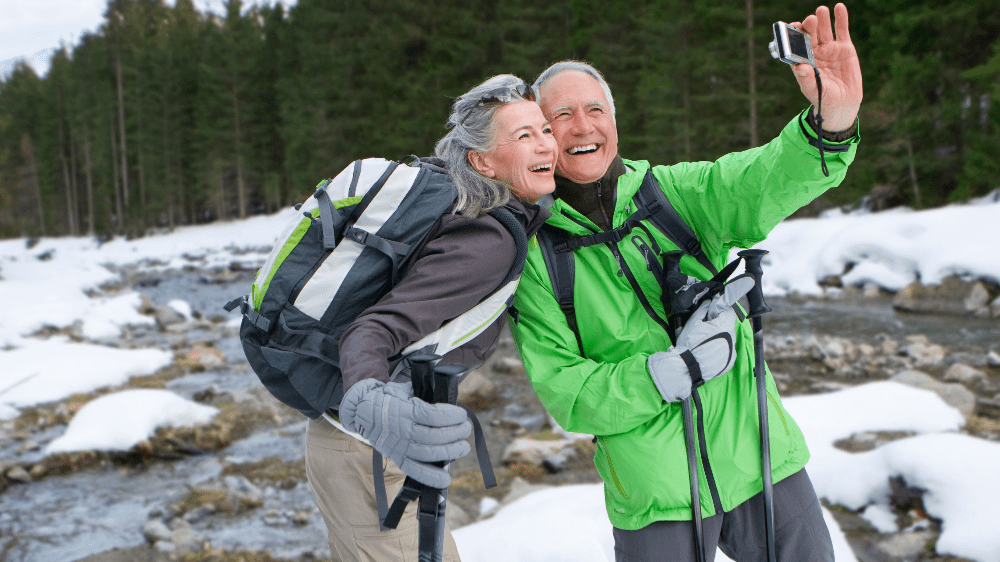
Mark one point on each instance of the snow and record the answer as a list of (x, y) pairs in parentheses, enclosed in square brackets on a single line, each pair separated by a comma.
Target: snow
[(116, 422), (889, 249), (48, 370), (49, 286)]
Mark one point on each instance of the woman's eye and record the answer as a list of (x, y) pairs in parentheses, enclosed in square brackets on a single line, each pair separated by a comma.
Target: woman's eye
[(547, 130), (523, 136)]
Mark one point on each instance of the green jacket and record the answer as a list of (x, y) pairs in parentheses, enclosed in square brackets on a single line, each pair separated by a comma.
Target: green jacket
[(641, 455)]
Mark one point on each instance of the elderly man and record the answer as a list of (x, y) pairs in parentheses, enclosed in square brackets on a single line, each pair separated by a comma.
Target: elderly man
[(601, 361)]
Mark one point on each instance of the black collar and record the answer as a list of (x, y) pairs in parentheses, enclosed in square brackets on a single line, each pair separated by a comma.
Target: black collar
[(594, 200)]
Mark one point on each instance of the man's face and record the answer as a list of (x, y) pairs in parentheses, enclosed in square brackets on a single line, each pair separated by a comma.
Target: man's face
[(582, 123)]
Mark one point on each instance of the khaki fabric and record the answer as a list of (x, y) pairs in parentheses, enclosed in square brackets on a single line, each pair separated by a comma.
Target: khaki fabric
[(339, 469)]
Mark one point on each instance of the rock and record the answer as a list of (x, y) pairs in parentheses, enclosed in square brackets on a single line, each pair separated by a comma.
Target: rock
[(988, 408), (993, 359), (952, 296), (526, 418), (146, 305), (242, 492), (18, 474), (200, 513), (166, 547), (962, 373), (156, 530), (995, 308), (520, 488), (557, 462), (477, 391), (906, 546), (202, 358), (509, 366), (534, 451), (38, 471), (186, 541), (455, 516), (954, 395), (923, 352), (167, 317), (302, 517)]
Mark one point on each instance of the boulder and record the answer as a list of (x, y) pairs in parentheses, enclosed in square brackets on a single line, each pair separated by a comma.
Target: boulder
[(155, 530), (202, 358), (18, 474), (477, 391), (951, 296), (922, 351), (995, 308), (955, 395), (962, 373), (535, 451), (509, 365), (993, 359), (519, 488)]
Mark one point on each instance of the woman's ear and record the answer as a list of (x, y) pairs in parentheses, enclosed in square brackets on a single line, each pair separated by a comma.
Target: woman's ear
[(478, 161)]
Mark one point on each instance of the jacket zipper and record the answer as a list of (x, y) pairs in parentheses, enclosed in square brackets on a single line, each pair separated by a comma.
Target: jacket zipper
[(780, 414), (611, 467)]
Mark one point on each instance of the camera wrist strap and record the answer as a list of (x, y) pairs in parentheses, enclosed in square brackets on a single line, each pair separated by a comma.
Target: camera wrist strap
[(819, 121)]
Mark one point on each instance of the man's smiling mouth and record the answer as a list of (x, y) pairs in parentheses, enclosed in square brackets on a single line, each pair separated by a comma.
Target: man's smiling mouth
[(585, 149)]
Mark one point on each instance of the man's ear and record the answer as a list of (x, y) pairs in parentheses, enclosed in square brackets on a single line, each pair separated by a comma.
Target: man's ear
[(478, 161)]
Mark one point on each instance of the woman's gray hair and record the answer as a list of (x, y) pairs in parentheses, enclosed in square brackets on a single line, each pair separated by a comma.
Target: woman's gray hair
[(579, 66), (472, 128)]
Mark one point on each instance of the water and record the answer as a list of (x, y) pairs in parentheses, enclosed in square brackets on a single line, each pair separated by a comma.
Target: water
[(866, 318), (71, 517)]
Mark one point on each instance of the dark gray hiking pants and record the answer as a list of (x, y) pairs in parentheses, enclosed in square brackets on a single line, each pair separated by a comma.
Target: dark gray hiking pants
[(800, 534)]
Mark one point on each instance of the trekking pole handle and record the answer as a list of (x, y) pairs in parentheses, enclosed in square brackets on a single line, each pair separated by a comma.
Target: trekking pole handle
[(755, 297), (446, 379), (422, 375)]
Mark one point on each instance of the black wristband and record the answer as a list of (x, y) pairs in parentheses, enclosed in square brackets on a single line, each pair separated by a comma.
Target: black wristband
[(832, 136)]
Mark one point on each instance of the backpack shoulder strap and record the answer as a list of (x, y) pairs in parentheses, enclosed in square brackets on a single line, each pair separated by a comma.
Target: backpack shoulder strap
[(561, 264), (666, 219)]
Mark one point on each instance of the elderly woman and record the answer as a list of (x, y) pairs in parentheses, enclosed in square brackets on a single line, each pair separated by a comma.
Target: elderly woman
[(499, 151)]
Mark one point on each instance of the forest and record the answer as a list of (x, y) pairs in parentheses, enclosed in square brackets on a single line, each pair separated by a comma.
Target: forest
[(166, 115)]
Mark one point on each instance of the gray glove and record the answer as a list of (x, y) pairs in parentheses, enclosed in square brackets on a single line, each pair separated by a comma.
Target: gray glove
[(407, 430), (704, 344)]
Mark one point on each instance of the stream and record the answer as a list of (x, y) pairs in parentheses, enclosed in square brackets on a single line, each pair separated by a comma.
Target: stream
[(73, 517)]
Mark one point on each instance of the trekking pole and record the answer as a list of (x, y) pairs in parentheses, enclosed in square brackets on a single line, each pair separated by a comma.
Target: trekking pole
[(433, 384), (672, 276), (758, 308)]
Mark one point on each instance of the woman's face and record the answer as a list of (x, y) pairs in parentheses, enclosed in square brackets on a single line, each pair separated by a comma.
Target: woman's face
[(524, 157)]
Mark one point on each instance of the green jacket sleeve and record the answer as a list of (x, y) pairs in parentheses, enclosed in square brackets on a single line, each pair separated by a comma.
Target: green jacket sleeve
[(738, 199), (584, 396)]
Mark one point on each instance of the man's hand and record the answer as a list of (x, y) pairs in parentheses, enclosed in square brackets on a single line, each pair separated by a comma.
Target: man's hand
[(411, 432), (839, 69), (705, 346)]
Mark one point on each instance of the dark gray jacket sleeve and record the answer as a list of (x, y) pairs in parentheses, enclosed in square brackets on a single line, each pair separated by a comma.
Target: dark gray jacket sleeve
[(463, 263)]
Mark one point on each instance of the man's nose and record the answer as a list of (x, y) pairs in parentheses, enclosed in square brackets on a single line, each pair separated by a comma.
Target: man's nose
[(580, 125)]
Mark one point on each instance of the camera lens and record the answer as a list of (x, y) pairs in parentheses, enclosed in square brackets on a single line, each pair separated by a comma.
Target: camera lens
[(773, 47)]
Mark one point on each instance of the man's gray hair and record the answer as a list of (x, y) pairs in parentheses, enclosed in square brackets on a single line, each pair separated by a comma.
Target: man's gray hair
[(579, 66), (472, 128)]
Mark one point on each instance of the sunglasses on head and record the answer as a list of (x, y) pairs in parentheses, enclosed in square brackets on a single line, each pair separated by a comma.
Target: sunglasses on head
[(500, 96)]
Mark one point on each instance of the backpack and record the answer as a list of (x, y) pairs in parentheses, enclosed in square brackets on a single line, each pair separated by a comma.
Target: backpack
[(340, 258)]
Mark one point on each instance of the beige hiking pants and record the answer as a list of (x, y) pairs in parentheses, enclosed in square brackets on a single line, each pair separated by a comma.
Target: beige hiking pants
[(339, 468)]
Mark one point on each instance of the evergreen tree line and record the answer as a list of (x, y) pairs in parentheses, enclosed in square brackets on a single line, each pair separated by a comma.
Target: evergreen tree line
[(166, 116)]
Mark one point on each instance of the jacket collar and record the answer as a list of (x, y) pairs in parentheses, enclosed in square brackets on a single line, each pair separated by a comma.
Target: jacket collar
[(594, 200)]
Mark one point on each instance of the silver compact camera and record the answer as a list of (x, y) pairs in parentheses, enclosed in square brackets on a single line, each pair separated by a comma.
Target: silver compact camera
[(790, 45)]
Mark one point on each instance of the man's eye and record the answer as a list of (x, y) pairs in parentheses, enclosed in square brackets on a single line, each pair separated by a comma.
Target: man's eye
[(547, 130), (523, 136)]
